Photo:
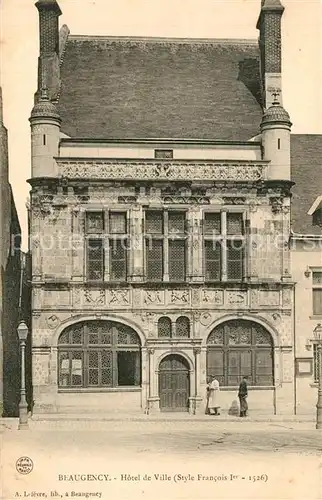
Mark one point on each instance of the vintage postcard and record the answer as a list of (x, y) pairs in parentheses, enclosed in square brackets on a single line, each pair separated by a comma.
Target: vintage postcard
[(161, 249)]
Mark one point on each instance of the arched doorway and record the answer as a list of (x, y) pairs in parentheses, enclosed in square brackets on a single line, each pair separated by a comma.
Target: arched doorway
[(174, 384)]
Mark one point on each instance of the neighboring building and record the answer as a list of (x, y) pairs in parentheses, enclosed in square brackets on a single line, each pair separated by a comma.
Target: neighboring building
[(160, 221), (306, 250), (10, 275)]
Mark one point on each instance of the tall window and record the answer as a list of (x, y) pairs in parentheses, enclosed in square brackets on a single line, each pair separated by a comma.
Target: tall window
[(94, 226), (107, 242), (99, 354), (238, 348), (317, 292), (224, 244), (165, 245)]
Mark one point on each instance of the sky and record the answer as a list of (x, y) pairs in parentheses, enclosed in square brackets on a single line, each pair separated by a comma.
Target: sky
[(301, 44)]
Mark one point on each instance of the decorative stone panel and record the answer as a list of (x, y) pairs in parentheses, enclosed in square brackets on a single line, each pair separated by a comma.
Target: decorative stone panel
[(56, 298), (212, 297), (40, 366), (174, 170), (269, 298)]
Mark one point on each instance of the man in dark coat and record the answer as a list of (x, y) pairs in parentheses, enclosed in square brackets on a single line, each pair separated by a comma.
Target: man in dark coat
[(242, 395)]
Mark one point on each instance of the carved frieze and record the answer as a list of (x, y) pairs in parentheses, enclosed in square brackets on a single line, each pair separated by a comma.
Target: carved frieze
[(94, 297), (212, 297), (154, 297), (119, 297), (172, 170), (269, 298), (179, 297), (237, 298)]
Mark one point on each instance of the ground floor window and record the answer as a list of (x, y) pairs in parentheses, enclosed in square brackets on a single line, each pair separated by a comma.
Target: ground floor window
[(99, 354), (238, 348)]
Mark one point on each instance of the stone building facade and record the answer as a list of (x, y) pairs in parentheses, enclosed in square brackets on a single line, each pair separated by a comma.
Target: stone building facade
[(160, 222), (306, 253)]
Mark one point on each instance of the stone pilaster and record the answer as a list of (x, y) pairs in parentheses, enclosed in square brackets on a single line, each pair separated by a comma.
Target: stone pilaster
[(136, 243), (195, 245), (77, 244), (153, 399)]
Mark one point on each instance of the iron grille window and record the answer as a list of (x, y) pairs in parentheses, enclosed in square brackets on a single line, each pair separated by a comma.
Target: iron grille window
[(95, 259), (165, 245), (99, 354), (107, 246), (239, 348), (164, 327), (181, 327), (224, 244), (317, 292)]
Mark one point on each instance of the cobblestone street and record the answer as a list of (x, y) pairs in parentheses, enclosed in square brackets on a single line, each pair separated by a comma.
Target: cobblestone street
[(264, 458)]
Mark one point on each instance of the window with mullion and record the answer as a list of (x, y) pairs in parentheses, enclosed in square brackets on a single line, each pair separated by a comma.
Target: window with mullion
[(224, 246), (165, 247), (317, 292), (239, 348), (107, 355)]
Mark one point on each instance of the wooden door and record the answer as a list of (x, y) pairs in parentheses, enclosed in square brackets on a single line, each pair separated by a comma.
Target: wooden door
[(174, 383)]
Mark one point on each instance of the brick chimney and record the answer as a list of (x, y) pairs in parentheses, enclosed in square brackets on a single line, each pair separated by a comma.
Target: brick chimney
[(270, 43), (48, 61)]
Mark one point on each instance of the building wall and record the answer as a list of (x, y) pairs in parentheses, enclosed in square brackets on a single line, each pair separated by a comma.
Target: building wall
[(9, 286), (306, 257), (62, 296)]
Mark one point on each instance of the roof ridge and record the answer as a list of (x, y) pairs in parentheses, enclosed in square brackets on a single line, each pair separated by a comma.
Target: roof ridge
[(241, 41)]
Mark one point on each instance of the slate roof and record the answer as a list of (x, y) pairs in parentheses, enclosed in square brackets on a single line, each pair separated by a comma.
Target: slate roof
[(306, 172), (160, 88)]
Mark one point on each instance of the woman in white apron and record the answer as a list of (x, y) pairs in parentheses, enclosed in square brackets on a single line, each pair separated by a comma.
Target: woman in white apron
[(213, 396)]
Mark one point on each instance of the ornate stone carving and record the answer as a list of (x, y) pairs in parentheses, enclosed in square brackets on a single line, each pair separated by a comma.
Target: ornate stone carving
[(237, 298), (94, 297), (205, 319), (151, 350), (196, 351), (233, 200), (179, 297), (119, 297), (196, 200), (154, 297), (76, 297), (215, 170), (213, 297), (52, 321), (286, 297), (269, 298)]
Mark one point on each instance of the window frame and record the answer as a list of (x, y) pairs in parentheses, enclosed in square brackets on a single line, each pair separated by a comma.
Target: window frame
[(223, 239), (253, 348), (108, 238), (85, 348), (166, 236), (316, 287)]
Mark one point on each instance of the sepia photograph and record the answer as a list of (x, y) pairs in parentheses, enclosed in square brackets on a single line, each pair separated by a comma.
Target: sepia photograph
[(161, 249)]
